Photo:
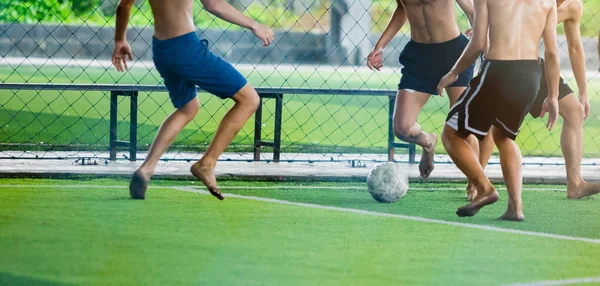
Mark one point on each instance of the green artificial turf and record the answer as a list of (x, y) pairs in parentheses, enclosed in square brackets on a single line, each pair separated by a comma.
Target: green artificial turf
[(89, 235)]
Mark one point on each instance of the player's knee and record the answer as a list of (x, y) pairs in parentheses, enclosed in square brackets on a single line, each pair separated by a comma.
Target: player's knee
[(574, 116), (248, 97), (447, 133), (402, 130), (253, 101), (499, 137), (190, 109)]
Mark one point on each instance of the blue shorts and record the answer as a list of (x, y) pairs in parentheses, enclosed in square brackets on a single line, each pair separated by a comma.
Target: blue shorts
[(185, 62), (424, 65)]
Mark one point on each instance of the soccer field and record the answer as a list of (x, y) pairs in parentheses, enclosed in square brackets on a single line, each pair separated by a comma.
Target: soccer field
[(88, 232)]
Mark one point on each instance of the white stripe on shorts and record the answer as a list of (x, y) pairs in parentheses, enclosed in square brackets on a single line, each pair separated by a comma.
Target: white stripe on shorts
[(506, 128), (471, 99)]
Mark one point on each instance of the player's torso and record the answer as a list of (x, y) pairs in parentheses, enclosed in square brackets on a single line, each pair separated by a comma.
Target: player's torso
[(431, 21), (516, 27), (172, 18)]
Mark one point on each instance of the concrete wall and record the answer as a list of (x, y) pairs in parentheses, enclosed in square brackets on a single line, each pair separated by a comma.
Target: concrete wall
[(84, 42)]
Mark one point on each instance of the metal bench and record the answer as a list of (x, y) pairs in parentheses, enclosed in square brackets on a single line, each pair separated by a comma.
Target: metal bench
[(132, 92)]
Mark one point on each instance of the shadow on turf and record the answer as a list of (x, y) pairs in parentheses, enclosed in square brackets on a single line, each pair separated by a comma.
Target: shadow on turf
[(9, 279)]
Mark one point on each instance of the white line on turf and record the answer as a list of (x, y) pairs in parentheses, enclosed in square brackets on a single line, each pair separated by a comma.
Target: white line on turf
[(64, 186), (560, 282), (405, 217), (270, 187)]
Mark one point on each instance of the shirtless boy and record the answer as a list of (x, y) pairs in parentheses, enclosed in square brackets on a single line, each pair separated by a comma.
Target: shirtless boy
[(503, 93), (184, 61), (574, 111), (435, 45)]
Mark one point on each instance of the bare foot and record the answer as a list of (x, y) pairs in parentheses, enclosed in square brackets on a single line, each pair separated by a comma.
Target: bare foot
[(426, 165), (138, 185), (206, 175), (481, 201), (585, 190), (471, 192), (512, 216)]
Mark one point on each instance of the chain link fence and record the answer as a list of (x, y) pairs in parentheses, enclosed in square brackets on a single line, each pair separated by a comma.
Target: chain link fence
[(319, 45)]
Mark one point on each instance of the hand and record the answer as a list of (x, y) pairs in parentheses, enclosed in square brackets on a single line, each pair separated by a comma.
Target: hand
[(550, 106), (375, 59), (120, 54), (469, 33), (264, 33), (585, 103), (446, 81)]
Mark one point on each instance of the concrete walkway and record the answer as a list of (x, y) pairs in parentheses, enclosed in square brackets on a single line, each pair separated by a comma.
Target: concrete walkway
[(552, 170)]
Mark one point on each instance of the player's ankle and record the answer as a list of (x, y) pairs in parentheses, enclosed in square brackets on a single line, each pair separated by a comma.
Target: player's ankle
[(146, 171), (206, 163), (575, 184)]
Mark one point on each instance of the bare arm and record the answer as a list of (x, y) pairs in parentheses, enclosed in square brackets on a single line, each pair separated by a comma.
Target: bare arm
[(375, 58), (123, 14), (469, 9), (225, 11), (598, 43), (475, 47), (552, 67), (393, 27), (122, 49), (478, 42), (576, 53)]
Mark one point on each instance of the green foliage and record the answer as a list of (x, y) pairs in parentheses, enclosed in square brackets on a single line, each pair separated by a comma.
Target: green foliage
[(34, 10), (78, 12)]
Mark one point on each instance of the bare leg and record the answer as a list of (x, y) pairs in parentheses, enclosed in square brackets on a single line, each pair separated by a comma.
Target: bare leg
[(571, 143), (246, 102), (465, 159), (167, 132), (486, 148), (453, 94), (406, 128), (511, 163)]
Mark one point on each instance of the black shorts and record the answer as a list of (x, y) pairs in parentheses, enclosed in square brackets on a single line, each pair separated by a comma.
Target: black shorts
[(563, 90), (501, 96), (424, 65)]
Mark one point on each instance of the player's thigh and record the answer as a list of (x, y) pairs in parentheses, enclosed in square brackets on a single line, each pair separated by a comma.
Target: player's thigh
[(408, 106), (454, 93)]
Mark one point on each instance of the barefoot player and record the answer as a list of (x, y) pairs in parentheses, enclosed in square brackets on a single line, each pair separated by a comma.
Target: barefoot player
[(503, 93), (435, 45), (184, 61), (574, 111)]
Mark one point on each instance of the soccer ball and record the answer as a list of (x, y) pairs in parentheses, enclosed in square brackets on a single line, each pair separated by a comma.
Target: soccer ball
[(387, 182)]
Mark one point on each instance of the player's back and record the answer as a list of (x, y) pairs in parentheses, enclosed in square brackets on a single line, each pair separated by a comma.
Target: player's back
[(172, 18), (516, 27)]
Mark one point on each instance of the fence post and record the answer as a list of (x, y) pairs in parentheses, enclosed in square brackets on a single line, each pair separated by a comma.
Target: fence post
[(257, 128), (133, 109), (391, 136), (113, 125), (277, 131)]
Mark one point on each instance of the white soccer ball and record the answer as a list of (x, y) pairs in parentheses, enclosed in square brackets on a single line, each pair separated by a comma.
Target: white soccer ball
[(387, 182)]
